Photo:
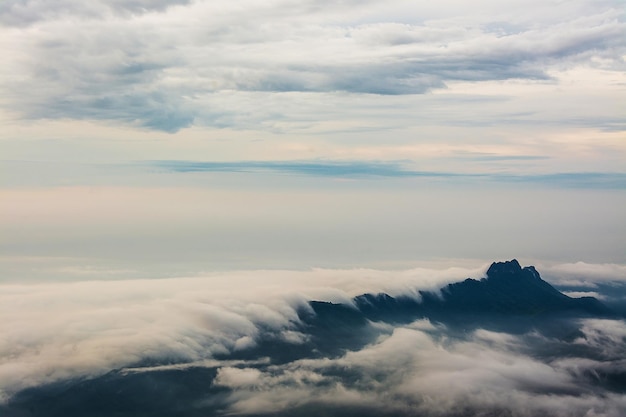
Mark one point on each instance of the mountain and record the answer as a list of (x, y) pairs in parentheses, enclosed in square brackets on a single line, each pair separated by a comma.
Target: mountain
[(509, 296), (509, 289)]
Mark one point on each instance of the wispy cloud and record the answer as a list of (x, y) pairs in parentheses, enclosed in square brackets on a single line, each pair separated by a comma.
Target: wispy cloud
[(400, 169), (571, 179), (314, 168)]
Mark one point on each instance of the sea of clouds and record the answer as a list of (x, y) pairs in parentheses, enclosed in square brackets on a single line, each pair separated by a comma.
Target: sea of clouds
[(61, 331)]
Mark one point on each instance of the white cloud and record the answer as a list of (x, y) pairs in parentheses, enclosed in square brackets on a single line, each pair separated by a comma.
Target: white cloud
[(578, 294), (56, 331), (237, 377), (606, 336), (583, 273), (411, 372)]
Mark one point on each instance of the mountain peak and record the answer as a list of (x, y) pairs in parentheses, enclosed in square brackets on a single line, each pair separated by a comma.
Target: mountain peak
[(508, 290), (511, 267)]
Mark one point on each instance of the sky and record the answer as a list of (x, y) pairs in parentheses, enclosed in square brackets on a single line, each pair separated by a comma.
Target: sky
[(154, 155), (178, 136)]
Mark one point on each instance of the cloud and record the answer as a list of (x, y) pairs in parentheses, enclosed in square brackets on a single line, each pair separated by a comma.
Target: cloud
[(150, 173), (20, 13), (73, 331), (237, 377), (584, 274), (578, 294), (605, 336), (411, 371), (353, 169), (605, 282), (156, 66), (574, 179), (59, 331), (315, 168)]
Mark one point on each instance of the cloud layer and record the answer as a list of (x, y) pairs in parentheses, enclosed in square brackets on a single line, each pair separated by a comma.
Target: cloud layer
[(413, 371), (160, 65), (57, 331), (81, 331)]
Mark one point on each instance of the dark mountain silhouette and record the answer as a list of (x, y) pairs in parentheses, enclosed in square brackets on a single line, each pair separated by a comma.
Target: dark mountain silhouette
[(510, 298), (511, 289), (508, 289)]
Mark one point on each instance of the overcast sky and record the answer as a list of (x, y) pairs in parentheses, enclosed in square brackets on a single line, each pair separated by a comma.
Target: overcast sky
[(147, 136)]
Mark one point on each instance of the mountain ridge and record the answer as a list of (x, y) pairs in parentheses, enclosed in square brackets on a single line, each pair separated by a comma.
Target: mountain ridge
[(507, 290)]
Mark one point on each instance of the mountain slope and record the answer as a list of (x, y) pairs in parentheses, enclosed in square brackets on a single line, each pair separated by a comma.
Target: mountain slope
[(507, 290), (509, 297), (512, 290)]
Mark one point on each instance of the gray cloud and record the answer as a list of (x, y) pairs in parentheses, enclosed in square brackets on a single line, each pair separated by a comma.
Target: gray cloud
[(315, 168), (155, 70), (142, 173), (26, 12), (353, 169)]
